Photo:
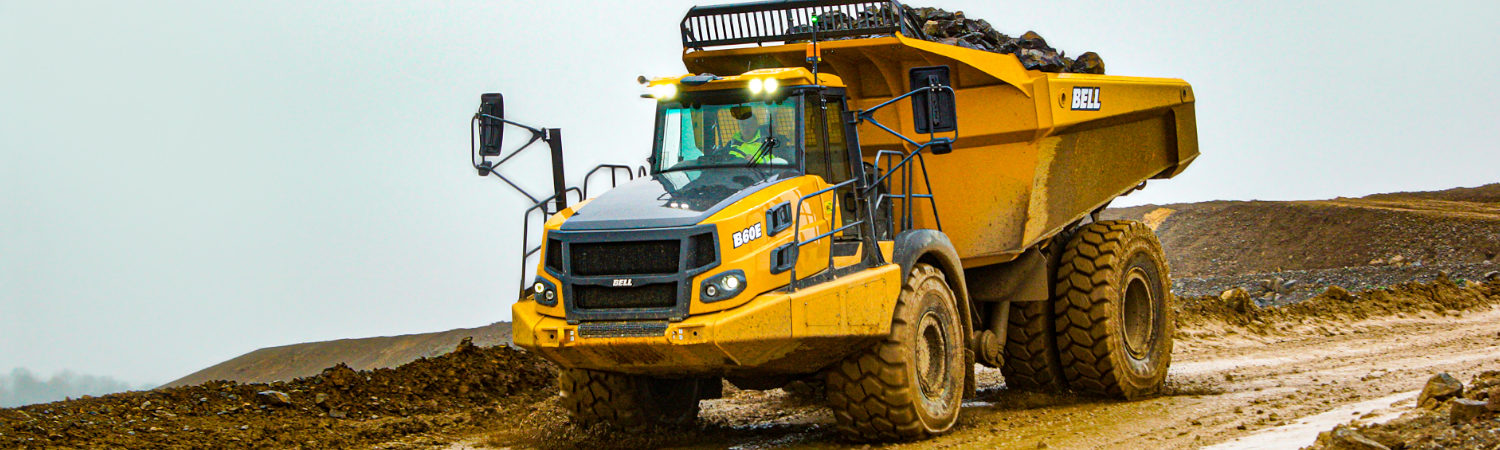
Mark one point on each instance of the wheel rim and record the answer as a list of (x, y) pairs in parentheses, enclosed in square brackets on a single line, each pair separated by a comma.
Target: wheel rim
[(932, 344), (1136, 315)]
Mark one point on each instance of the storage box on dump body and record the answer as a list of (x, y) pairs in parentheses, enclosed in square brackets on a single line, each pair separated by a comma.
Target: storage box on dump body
[(1035, 151)]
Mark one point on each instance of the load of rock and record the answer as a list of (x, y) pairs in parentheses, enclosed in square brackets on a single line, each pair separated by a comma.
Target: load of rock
[(953, 28)]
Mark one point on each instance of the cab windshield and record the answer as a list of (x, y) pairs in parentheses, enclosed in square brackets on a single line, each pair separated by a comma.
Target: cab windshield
[(704, 135)]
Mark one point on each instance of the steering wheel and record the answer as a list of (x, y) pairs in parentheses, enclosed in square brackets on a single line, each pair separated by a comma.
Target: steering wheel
[(718, 154)]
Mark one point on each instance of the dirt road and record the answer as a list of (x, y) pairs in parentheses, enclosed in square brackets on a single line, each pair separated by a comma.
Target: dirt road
[(1234, 390)]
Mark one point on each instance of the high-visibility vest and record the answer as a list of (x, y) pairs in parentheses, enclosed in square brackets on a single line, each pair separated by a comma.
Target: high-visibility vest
[(747, 148)]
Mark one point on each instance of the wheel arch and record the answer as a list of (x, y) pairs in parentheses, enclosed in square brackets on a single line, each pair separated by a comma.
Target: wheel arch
[(933, 247)]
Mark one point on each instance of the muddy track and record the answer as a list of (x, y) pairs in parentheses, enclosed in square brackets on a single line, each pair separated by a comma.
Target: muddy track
[(1220, 389)]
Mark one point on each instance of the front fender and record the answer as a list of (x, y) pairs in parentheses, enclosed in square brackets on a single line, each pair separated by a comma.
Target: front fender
[(933, 247)]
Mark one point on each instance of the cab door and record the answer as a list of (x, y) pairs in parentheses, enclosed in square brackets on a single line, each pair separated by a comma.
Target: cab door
[(828, 155)]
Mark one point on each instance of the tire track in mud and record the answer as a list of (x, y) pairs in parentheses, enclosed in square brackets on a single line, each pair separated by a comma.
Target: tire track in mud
[(1236, 389), (1219, 389)]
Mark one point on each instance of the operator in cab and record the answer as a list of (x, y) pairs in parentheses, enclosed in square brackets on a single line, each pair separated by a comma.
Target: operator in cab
[(748, 142)]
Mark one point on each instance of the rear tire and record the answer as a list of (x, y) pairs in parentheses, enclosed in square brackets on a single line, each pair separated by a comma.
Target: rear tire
[(910, 385), (1113, 316), (1030, 354), (630, 402)]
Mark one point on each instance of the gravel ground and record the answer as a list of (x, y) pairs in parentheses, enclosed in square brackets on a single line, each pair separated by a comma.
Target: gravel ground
[(1306, 284)]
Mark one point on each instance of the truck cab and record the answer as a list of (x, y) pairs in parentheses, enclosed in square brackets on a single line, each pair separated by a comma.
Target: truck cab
[(689, 271)]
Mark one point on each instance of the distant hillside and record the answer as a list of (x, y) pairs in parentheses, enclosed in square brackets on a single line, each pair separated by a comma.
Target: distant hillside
[(299, 360), (1489, 193), (1239, 237)]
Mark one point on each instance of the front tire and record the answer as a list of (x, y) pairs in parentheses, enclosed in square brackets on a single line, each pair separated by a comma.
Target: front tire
[(629, 402), (910, 385), (1112, 316)]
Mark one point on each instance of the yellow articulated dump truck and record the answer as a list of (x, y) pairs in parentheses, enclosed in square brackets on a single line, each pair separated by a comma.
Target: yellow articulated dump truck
[(858, 209)]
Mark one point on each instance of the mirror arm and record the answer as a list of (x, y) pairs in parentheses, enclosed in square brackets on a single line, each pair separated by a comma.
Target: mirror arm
[(535, 131)]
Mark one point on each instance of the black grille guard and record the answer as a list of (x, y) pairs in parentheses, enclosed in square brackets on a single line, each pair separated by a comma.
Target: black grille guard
[(683, 276)]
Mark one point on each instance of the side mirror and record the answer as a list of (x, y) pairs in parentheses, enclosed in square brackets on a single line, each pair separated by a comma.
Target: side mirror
[(491, 128), (933, 111)]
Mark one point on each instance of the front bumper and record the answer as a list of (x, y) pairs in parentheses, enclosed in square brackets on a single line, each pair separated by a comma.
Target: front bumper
[(774, 333)]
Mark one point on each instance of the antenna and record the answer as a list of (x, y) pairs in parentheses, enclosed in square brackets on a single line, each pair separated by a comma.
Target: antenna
[(813, 57)]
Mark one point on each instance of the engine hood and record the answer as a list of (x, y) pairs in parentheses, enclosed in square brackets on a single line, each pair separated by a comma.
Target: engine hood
[(672, 199)]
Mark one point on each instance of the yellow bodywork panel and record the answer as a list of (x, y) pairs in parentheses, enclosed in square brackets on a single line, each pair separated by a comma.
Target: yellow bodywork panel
[(1034, 151), (754, 258), (774, 333)]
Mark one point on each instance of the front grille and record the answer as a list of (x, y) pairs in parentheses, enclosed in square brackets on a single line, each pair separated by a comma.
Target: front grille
[(625, 258), (554, 255), (622, 329), (660, 295), (703, 250)]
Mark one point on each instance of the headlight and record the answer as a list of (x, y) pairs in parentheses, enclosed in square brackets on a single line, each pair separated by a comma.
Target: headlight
[(544, 292), (757, 85), (771, 85), (663, 91), (723, 286)]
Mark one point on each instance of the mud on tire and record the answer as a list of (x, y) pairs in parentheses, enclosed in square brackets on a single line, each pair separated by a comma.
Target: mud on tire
[(1112, 313), (1031, 361), (627, 401), (909, 385)]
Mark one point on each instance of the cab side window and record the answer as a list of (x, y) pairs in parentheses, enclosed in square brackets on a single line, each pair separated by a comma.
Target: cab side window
[(829, 161)]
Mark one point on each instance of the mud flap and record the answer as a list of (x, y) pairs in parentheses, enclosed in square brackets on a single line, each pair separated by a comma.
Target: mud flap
[(971, 386)]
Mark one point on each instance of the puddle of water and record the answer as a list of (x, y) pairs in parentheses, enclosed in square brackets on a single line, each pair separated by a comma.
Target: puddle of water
[(1305, 430), (1221, 365)]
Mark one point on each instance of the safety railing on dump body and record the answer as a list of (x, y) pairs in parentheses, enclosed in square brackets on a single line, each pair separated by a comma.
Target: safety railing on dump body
[(797, 242), (791, 20)]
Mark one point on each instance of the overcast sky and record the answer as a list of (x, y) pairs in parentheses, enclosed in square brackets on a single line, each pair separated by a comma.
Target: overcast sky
[(183, 182)]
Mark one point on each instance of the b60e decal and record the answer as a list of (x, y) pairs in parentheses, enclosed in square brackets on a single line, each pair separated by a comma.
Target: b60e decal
[(1086, 99), (743, 237)]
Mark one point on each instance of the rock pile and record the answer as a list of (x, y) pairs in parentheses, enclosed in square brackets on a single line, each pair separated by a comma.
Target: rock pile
[(953, 28), (1448, 415)]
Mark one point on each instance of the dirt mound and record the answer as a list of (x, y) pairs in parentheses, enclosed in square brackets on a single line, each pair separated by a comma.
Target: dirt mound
[(1201, 316), (300, 360), (1236, 238), (337, 408), (1451, 415)]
